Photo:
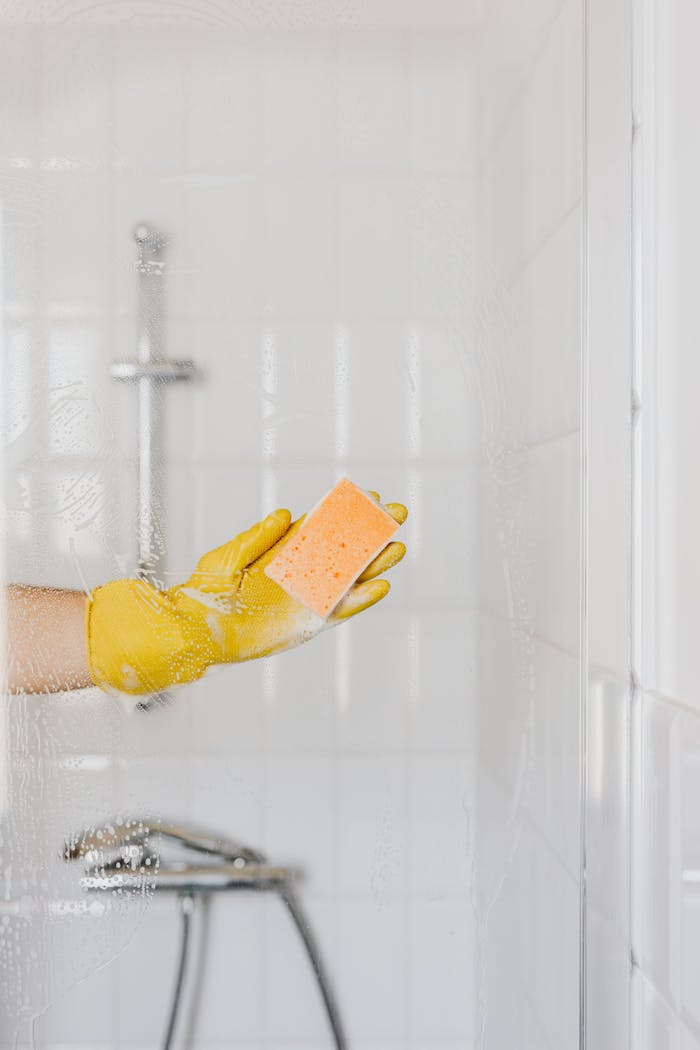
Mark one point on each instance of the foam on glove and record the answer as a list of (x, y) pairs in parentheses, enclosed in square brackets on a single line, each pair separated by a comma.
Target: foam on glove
[(336, 542)]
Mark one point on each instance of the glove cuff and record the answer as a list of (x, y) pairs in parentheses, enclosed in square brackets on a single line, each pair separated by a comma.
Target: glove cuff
[(136, 641)]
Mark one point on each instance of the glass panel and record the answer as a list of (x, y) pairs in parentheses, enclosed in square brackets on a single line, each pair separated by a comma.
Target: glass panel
[(248, 250), (527, 358), (610, 707)]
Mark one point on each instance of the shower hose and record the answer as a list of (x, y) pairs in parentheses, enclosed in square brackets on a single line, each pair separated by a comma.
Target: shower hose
[(290, 900)]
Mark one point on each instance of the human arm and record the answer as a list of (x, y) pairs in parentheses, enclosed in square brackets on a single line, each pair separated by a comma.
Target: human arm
[(45, 650)]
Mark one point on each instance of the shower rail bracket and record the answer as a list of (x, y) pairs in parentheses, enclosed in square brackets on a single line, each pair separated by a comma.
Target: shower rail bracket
[(164, 371)]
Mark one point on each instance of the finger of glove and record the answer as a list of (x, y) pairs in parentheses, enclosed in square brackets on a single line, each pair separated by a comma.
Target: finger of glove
[(360, 597), (234, 556), (397, 510), (390, 556), (270, 554)]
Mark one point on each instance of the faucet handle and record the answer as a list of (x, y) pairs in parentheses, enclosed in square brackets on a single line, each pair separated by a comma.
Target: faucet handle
[(208, 842), (130, 840), (121, 843)]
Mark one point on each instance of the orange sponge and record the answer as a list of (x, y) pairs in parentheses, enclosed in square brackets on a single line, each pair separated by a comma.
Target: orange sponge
[(334, 545)]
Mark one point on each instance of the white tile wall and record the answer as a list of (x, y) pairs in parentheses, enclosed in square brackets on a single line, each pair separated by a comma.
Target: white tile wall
[(372, 826), (442, 134), (199, 415), (379, 387), (297, 107), (300, 817), (373, 245), (223, 102), (298, 415), (224, 263), (440, 797), (75, 214), (664, 805), (611, 761), (441, 941), (542, 135), (607, 829), (442, 651), (672, 666), (228, 712), (527, 363), (299, 715), (375, 716), (76, 124), (542, 382), (530, 503), (148, 99), (372, 104), (297, 243), (444, 520), (608, 1013), (373, 982), (93, 1001), (21, 100), (443, 253), (656, 930)]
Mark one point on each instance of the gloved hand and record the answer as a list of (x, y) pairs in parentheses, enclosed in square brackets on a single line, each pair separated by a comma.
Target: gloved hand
[(142, 640)]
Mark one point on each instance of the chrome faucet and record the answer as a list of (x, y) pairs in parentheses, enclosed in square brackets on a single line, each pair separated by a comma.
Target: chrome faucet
[(129, 839), (139, 853)]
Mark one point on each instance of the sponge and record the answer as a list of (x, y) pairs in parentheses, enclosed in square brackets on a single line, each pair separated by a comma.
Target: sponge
[(333, 546)]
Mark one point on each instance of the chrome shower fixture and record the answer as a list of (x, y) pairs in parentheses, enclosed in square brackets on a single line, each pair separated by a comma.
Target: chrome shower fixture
[(140, 855), (150, 370)]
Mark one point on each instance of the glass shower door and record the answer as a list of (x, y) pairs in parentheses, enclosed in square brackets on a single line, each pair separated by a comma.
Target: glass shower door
[(372, 237), (526, 354)]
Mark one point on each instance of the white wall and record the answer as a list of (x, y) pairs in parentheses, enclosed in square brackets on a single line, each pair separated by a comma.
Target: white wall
[(317, 189), (528, 697), (642, 823), (665, 932), (609, 521)]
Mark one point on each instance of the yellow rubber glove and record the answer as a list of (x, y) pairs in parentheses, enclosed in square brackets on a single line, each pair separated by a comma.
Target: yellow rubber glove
[(142, 640)]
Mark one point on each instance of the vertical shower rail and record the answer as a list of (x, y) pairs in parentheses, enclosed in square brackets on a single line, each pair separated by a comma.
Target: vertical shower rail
[(150, 370)]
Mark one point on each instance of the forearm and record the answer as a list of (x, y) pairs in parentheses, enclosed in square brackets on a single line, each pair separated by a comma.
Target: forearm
[(45, 649)]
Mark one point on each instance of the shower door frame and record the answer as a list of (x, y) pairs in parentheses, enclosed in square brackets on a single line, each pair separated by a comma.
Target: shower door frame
[(609, 420)]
